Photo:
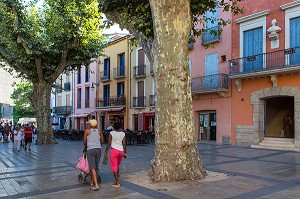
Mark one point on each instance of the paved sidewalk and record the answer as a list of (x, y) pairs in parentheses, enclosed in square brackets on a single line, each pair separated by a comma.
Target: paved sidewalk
[(49, 172)]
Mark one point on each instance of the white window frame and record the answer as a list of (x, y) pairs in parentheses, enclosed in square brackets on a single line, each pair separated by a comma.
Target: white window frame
[(290, 13)]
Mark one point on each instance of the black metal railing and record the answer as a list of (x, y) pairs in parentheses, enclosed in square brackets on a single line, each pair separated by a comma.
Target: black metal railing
[(267, 61), (210, 35), (63, 110), (67, 86), (139, 101), (152, 100), (104, 76), (110, 101), (207, 83), (139, 71), (119, 72)]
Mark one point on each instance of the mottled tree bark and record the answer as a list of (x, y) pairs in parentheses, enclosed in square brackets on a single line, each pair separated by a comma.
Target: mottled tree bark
[(176, 152), (40, 99)]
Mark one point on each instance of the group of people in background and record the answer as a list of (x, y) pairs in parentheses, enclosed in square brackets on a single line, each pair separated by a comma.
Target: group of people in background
[(20, 135), (93, 139)]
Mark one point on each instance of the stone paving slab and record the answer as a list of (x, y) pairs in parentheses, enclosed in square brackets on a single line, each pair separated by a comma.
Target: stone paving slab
[(48, 171)]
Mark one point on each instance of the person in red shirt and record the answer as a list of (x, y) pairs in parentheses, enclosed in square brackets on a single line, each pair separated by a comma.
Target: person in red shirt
[(28, 136)]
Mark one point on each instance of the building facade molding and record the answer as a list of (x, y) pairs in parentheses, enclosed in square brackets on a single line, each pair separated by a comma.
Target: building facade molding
[(290, 5), (252, 16)]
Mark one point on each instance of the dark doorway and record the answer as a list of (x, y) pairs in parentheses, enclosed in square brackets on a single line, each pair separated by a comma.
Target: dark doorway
[(279, 117)]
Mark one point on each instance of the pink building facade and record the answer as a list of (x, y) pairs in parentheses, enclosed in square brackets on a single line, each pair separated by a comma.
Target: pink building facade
[(85, 83), (210, 83)]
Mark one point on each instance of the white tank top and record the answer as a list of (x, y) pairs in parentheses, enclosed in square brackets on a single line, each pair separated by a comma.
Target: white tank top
[(116, 141)]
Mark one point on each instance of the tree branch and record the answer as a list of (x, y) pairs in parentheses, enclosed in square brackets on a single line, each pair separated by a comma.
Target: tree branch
[(20, 39)]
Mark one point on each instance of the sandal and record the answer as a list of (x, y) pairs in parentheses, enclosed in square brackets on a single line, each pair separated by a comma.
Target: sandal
[(115, 185), (94, 189)]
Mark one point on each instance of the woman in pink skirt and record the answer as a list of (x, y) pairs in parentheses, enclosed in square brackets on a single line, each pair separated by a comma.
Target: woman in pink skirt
[(117, 143)]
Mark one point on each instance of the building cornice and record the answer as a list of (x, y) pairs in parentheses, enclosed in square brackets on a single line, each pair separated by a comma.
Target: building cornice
[(290, 5), (252, 16)]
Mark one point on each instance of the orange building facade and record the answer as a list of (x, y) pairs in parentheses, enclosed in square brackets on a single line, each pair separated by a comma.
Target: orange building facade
[(264, 73)]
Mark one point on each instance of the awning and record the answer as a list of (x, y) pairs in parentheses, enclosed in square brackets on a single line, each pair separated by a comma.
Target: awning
[(150, 114), (109, 110), (79, 115)]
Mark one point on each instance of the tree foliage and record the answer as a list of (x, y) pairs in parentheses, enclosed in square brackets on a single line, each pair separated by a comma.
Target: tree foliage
[(40, 42), (20, 96), (135, 15)]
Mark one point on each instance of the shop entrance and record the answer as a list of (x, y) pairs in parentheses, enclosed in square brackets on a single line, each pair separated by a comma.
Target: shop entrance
[(207, 126), (279, 117)]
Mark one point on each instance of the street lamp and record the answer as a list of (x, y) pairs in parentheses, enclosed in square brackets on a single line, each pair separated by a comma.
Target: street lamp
[(92, 87)]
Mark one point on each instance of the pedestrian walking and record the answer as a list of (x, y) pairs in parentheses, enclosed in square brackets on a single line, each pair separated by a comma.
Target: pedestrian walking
[(18, 135), (93, 139), (28, 136), (117, 143)]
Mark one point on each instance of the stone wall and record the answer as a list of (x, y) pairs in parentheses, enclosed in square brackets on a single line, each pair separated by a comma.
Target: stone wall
[(244, 135)]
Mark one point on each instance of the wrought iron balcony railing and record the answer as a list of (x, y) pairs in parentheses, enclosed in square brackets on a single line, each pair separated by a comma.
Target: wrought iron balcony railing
[(110, 101), (139, 101), (152, 100), (67, 86), (119, 72), (218, 82), (104, 76), (139, 71), (267, 61), (62, 110), (210, 35)]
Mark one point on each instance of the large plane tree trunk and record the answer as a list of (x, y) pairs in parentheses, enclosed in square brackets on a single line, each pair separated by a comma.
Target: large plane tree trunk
[(40, 100), (176, 151)]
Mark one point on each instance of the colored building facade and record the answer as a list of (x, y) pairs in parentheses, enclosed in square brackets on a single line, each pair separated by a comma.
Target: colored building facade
[(142, 91), (62, 102), (85, 91), (264, 71), (112, 103), (210, 84)]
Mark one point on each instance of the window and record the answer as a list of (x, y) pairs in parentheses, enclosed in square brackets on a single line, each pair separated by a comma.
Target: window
[(106, 68), (79, 98), (121, 71), (79, 75), (87, 74), (59, 100), (120, 89), (211, 32), (106, 95), (87, 97), (211, 71), (68, 77)]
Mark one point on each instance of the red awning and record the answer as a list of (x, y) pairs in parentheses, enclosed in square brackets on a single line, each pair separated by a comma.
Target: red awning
[(109, 110), (150, 114)]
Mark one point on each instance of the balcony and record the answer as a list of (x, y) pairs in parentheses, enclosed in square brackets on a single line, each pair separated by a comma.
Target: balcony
[(210, 83), (62, 110), (139, 102), (111, 101), (282, 61), (67, 86), (119, 72), (104, 76), (152, 100), (210, 35), (139, 71)]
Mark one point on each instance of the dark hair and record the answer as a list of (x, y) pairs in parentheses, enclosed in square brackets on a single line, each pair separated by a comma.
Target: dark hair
[(117, 125)]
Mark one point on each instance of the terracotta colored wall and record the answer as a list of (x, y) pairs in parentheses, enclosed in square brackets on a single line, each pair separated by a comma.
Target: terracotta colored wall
[(254, 6)]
